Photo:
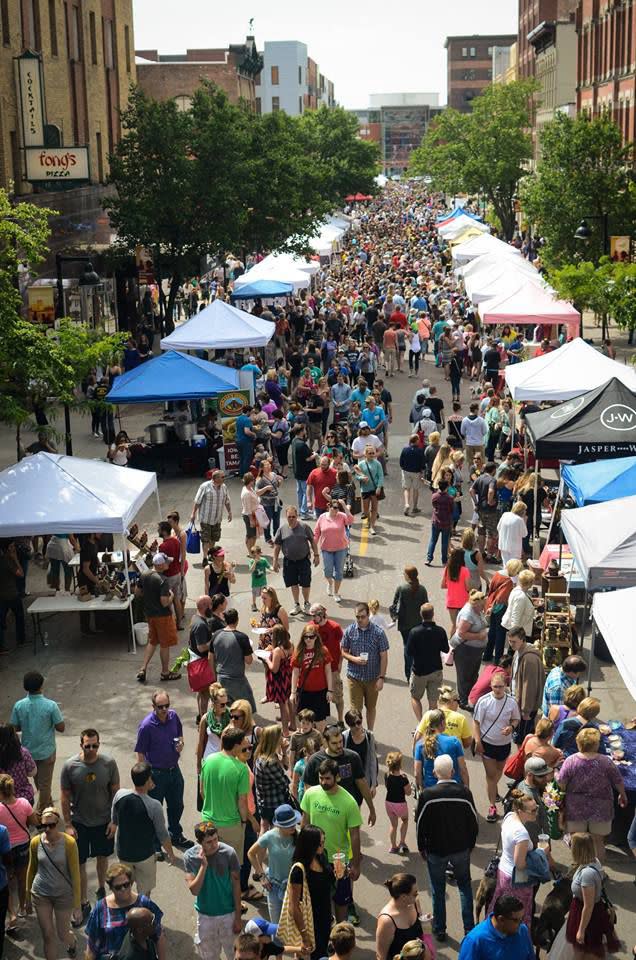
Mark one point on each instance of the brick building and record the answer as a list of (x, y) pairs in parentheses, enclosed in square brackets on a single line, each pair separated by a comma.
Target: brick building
[(59, 107), (177, 76), (555, 65), (469, 66), (606, 80), (531, 14)]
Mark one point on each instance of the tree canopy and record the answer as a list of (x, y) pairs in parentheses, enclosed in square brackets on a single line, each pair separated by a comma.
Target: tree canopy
[(584, 172), (485, 151), (608, 289), (217, 178)]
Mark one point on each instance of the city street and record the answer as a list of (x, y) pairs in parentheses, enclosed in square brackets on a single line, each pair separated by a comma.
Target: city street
[(93, 679)]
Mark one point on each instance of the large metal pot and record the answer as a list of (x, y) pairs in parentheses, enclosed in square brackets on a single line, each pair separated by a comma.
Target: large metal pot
[(185, 430), (158, 433)]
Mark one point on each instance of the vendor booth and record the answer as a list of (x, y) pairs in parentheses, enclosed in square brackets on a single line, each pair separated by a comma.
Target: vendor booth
[(530, 304), (612, 612), (263, 289), (601, 480), (457, 225), (172, 376), (220, 326), (598, 423), (565, 373), (602, 537), (480, 246), (281, 266), (492, 286), (54, 494)]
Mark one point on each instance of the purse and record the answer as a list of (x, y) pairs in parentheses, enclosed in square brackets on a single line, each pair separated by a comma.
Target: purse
[(448, 659), (288, 932), (193, 540), (514, 766), (200, 674)]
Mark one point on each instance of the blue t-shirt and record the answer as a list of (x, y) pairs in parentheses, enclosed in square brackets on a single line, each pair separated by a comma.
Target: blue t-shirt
[(5, 847), (242, 422), (254, 370), (445, 744), (360, 396), (36, 717), (373, 417), (280, 853)]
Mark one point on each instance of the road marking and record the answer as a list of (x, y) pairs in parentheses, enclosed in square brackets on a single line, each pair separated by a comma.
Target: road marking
[(364, 539)]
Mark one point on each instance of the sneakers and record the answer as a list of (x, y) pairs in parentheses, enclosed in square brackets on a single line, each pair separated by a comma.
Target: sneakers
[(403, 850), (440, 936), (295, 610), (353, 917), (183, 843), (306, 606), (407, 512), (337, 598), (492, 816), (394, 850), (329, 591)]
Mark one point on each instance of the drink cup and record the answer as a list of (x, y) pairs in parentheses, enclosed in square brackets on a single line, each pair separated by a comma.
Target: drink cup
[(364, 656), (544, 841), (339, 864)]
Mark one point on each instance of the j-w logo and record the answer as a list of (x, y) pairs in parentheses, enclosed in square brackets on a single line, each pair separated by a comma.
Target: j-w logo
[(618, 416)]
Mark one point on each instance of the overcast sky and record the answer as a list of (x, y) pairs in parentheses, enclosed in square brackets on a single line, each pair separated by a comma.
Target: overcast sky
[(364, 46)]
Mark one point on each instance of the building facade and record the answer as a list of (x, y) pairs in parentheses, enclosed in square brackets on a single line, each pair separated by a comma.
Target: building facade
[(177, 76), (397, 122), (606, 77), (504, 64), (65, 71), (531, 14), (555, 64), (290, 80), (469, 61)]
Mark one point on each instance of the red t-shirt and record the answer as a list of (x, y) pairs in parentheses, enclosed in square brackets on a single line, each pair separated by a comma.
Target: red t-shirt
[(399, 319), (315, 679), (319, 479), (172, 549), (331, 635)]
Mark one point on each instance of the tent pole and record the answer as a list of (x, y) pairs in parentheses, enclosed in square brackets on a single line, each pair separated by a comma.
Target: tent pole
[(583, 631), (130, 607), (160, 514), (536, 536)]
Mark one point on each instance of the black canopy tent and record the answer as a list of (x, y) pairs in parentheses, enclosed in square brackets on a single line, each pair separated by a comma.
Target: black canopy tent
[(600, 424)]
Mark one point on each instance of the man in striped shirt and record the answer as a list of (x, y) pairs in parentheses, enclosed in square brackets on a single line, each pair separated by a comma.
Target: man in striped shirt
[(210, 499)]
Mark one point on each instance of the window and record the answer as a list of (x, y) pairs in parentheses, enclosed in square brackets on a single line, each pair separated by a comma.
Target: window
[(53, 27), (468, 75), (30, 10), (274, 76), (4, 17), (109, 44), (490, 51), (15, 160), (300, 103), (464, 51), (93, 35), (473, 52), (489, 73), (73, 34), (183, 102), (100, 157), (259, 106), (127, 45), (275, 104), (300, 74)]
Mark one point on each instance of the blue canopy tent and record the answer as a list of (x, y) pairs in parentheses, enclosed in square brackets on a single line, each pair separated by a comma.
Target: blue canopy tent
[(263, 288), (173, 376), (601, 481), (457, 212)]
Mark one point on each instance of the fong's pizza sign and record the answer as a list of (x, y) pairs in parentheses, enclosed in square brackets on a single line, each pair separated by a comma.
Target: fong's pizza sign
[(57, 163)]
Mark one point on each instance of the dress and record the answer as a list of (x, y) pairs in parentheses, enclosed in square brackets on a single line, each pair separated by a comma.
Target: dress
[(269, 618), (218, 582), (402, 935), (278, 685)]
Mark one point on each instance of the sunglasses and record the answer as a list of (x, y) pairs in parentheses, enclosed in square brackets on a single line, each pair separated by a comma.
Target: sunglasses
[(245, 749), (90, 746), (237, 716), (50, 826), (310, 636), (121, 886), (362, 616), (162, 706)]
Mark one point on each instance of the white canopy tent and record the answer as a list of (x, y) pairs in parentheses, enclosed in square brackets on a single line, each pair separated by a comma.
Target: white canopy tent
[(602, 538), (567, 372), (281, 266), (51, 493), (326, 240), (478, 246), (611, 612), (485, 286), (220, 326), (457, 225), (488, 261)]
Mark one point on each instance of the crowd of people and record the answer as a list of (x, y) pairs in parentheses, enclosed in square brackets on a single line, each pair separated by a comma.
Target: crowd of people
[(283, 801)]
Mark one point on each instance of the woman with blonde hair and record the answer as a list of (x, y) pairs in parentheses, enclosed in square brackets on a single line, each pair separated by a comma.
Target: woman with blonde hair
[(53, 883), (441, 462), (468, 643), (571, 699), (589, 779), (212, 724), (516, 844), (242, 716), (589, 927), (538, 744), (585, 716), (520, 611), (435, 742), (271, 781), (499, 590), (17, 815), (457, 724)]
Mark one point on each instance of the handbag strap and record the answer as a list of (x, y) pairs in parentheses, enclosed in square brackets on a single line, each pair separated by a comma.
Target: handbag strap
[(54, 864), (483, 736), (21, 825)]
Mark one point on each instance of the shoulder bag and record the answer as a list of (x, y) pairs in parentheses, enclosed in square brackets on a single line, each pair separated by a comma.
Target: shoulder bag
[(288, 932), (483, 735), (377, 492)]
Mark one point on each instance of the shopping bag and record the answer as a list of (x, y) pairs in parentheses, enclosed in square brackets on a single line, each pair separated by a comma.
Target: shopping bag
[(193, 540)]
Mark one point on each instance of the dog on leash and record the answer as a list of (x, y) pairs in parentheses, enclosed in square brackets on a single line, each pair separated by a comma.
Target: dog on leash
[(553, 913), (485, 893)]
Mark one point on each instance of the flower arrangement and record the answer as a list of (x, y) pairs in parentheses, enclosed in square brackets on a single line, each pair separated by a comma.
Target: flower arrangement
[(553, 797)]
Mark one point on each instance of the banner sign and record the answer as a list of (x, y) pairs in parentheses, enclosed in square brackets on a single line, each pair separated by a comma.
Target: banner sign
[(57, 163), (30, 98), (229, 406)]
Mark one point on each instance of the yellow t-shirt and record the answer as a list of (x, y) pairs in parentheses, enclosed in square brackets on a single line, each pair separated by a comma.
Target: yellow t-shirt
[(457, 725)]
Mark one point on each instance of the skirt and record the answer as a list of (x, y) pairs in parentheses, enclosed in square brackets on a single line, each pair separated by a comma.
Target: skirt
[(525, 894), (600, 936), (316, 701)]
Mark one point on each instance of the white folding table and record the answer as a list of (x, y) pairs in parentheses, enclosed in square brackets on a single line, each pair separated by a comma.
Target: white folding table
[(44, 607)]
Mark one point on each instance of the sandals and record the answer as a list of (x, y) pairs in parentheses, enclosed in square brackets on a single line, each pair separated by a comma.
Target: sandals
[(173, 675), (252, 893), (141, 676)]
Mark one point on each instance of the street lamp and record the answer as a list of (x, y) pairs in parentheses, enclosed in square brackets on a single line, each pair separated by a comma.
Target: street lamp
[(88, 278), (584, 233)]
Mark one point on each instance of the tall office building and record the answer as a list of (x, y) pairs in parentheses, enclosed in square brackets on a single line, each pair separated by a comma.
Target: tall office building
[(469, 66), (397, 122)]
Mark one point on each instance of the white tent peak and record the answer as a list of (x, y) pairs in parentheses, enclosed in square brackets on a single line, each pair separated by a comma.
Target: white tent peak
[(220, 326), (54, 493)]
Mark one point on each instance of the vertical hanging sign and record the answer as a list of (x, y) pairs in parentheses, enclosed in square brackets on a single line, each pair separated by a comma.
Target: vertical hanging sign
[(31, 99)]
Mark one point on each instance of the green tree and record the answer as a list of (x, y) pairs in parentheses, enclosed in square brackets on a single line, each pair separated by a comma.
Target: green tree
[(24, 234), (584, 171), (485, 151), (345, 163), (607, 289)]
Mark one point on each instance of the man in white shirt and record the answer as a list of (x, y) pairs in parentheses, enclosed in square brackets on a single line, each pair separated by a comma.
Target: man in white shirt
[(365, 438), (474, 429)]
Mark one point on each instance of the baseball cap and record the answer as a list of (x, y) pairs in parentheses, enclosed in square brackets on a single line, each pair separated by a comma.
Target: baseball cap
[(159, 559), (363, 425), (259, 927), (537, 767)]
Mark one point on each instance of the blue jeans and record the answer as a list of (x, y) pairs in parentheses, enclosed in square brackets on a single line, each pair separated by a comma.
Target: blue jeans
[(275, 898), (169, 787), (301, 495), (333, 562), (631, 836), (273, 512), (432, 543), (496, 636), (245, 456), (437, 873)]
